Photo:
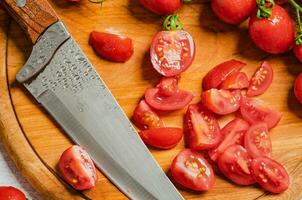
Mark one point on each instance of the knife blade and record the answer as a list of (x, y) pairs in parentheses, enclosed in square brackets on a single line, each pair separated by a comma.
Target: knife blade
[(62, 79)]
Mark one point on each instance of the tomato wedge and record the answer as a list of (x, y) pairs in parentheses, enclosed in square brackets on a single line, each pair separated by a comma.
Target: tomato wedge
[(254, 111), (271, 175), (232, 133), (261, 80), (201, 128), (234, 163), (257, 141), (221, 72), (191, 170), (238, 80), (77, 168), (11, 193), (162, 138), (168, 85), (172, 52), (158, 101), (221, 102)]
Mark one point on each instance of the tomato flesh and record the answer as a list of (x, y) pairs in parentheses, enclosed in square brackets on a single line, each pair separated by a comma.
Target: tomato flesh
[(11, 193), (192, 171), (234, 163), (238, 80), (271, 175), (168, 86), (161, 7), (201, 128), (172, 52), (261, 80), (77, 168), (298, 88)]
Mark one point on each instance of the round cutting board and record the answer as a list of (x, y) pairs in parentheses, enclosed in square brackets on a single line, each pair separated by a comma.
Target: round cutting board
[(35, 142)]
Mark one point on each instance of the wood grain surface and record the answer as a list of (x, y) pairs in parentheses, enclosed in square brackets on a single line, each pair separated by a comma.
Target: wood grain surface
[(215, 42)]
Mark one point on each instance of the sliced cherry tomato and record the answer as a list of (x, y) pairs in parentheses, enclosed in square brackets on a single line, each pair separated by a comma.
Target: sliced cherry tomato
[(233, 11), (221, 72), (172, 52), (191, 170), (160, 102), (161, 7), (201, 128), (232, 133), (162, 138), (261, 80), (11, 193), (271, 175), (298, 52), (257, 141), (275, 34), (238, 80), (298, 88), (168, 86), (221, 102), (234, 163), (144, 117), (77, 168), (254, 111)]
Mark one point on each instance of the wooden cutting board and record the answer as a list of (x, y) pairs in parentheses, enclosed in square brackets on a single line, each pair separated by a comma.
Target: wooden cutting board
[(35, 142)]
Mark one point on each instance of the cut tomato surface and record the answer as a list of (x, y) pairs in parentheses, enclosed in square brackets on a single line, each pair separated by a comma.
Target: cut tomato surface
[(168, 85), (238, 80), (161, 7), (11, 193)]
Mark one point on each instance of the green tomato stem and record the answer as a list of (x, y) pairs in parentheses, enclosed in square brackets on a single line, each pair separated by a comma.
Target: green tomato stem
[(186, 1), (172, 23), (298, 9), (264, 11)]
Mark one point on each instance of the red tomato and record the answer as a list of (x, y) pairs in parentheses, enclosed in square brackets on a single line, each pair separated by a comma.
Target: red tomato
[(172, 52), (232, 133), (298, 88), (191, 170), (275, 34), (261, 80), (160, 102), (112, 47), (162, 138), (161, 7), (234, 163), (257, 141), (298, 52), (168, 86), (201, 128), (233, 11), (11, 193), (238, 80), (221, 72), (221, 102), (146, 118), (254, 111), (271, 175), (280, 2), (77, 168)]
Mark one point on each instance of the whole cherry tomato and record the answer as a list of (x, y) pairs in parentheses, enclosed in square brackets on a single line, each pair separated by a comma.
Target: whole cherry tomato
[(298, 88), (161, 7), (298, 52), (11, 193)]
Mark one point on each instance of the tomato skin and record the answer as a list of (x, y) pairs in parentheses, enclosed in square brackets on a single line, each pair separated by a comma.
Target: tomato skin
[(275, 34), (233, 11), (238, 80), (161, 7), (172, 52), (191, 170), (298, 88), (111, 46), (261, 80), (11, 193), (162, 138), (77, 168), (201, 128), (298, 52), (234, 163), (168, 86), (144, 117), (270, 174), (221, 72)]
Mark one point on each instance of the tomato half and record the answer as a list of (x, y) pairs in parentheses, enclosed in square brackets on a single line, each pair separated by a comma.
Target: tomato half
[(298, 88), (168, 85), (144, 117), (261, 80), (232, 133), (255, 111), (172, 52), (221, 102), (234, 163), (160, 102), (201, 128), (221, 72), (162, 138), (191, 170), (238, 80), (161, 7), (271, 175), (77, 168), (257, 141), (11, 193)]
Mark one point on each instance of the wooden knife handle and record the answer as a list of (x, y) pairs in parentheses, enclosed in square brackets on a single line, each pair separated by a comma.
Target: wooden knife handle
[(34, 17)]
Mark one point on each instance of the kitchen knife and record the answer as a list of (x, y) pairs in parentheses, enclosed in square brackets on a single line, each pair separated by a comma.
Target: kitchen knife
[(62, 79)]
